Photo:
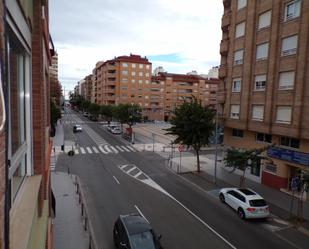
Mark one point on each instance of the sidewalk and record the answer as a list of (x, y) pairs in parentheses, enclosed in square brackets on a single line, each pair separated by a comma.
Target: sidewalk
[(68, 229)]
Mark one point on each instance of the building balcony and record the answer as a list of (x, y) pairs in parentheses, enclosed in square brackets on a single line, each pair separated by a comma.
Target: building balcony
[(227, 4), (226, 20), (111, 67), (221, 96), (222, 71), (110, 97), (110, 90), (224, 47)]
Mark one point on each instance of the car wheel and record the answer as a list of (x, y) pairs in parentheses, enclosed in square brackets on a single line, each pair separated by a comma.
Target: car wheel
[(241, 213), (221, 197)]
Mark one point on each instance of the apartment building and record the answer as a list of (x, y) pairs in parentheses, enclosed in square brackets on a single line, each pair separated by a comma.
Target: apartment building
[(122, 79), (25, 194), (55, 86), (264, 87), (88, 87)]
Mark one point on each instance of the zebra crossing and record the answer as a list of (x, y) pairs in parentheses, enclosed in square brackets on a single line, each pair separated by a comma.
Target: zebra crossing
[(102, 149), (77, 122)]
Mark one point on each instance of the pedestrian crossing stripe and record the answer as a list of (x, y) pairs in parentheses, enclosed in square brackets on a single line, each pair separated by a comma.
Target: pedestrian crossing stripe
[(95, 149), (89, 150)]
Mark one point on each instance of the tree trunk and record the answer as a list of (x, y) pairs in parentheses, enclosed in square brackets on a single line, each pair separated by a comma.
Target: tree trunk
[(198, 161), (242, 178)]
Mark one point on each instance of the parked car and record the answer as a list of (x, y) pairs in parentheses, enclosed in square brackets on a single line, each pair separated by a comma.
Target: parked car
[(86, 114), (134, 232), (116, 130), (77, 128), (246, 202), (111, 127), (93, 118)]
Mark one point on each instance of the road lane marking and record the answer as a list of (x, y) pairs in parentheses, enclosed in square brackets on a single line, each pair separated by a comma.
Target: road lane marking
[(123, 166), (103, 151), (76, 151), (125, 148), (82, 150), (107, 148), (131, 148), (119, 148), (95, 149), (116, 180), (89, 150), (113, 148), (138, 174), (140, 212), (130, 170)]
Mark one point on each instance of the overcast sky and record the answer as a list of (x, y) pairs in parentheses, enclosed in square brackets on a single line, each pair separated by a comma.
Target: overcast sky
[(179, 35)]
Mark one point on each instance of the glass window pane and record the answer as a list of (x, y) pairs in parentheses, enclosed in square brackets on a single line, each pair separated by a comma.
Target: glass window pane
[(18, 178)]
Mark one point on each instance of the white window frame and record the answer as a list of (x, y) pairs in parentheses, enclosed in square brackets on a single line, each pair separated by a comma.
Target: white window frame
[(133, 73), (258, 112), (133, 65), (240, 29), (291, 50), (234, 114), (124, 72), (264, 20), (147, 66), (258, 48), (284, 120), (287, 85), (141, 66), (124, 64), (140, 74), (296, 11), (236, 85), (259, 80), (240, 60)]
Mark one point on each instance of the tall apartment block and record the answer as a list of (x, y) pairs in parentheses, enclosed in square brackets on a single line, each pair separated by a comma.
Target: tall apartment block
[(264, 88), (55, 86), (25, 193), (86, 87)]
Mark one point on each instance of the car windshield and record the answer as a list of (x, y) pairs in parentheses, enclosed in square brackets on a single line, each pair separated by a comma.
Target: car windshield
[(257, 203), (142, 241)]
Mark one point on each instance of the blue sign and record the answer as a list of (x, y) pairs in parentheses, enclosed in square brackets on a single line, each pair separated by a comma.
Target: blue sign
[(289, 155)]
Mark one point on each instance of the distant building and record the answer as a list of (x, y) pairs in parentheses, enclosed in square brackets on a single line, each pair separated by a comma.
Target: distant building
[(55, 86), (264, 86), (213, 73)]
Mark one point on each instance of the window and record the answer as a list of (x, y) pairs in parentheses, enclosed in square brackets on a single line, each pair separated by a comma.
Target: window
[(241, 4), (124, 64), (124, 80), (292, 10), (235, 111), (289, 45), (284, 114), (262, 51), (124, 72), (124, 88), (140, 81), (264, 20), (133, 65), (147, 66), (262, 137), (141, 66), (286, 80), (133, 73), (260, 82), (257, 112), (240, 29), (238, 57), (133, 81), (147, 74), (236, 85), (237, 133), (147, 81), (290, 142), (140, 74)]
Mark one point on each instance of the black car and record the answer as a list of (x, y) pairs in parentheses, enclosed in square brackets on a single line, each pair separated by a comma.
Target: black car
[(134, 232)]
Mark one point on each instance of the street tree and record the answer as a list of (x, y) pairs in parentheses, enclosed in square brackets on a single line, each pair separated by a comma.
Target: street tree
[(94, 109), (107, 112), (243, 159), (127, 114), (192, 124)]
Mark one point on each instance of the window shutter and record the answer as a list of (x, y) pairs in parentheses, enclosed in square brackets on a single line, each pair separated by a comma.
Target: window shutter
[(286, 80), (258, 112), (284, 114), (289, 45), (240, 29), (235, 111), (262, 51), (259, 78), (241, 4), (238, 56), (264, 20)]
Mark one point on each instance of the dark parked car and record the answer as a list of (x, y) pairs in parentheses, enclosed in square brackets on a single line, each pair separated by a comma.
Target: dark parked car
[(134, 232)]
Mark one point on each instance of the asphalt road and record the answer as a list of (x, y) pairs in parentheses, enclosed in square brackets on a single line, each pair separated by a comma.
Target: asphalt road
[(130, 182)]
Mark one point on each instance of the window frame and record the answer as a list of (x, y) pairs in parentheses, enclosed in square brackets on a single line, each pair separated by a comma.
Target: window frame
[(286, 18), (239, 61), (282, 121), (237, 133), (290, 140), (239, 28), (286, 87), (236, 89), (260, 15), (243, 6), (232, 114), (267, 52), (255, 83), (257, 119), (291, 51)]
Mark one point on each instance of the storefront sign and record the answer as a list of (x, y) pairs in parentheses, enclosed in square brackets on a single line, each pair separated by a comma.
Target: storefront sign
[(289, 155)]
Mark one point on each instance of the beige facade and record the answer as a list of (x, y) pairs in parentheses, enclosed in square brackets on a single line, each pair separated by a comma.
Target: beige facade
[(263, 90)]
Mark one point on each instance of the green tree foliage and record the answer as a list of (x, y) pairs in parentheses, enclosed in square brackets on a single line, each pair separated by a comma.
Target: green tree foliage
[(192, 124), (94, 109), (127, 114), (243, 159), (55, 114), (107, 112)]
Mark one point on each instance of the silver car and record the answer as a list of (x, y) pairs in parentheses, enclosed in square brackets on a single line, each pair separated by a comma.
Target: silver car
[(246, 202)]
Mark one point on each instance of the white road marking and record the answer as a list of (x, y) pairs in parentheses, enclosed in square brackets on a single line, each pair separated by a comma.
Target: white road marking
[(113, 148), (138, 174), (116, 180), (82, 150), (131, 148), (123, 166), (76, 151), (95, 149), (119, 148), (102, 150), (125, 148), (130, 170), (140, 212), (107, 148), (89, 150)]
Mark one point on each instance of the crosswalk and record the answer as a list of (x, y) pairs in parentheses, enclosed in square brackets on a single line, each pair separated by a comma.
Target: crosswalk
[(77, 122), (102, 149)]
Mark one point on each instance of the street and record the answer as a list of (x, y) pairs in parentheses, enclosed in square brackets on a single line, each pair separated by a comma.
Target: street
[(120, 178)]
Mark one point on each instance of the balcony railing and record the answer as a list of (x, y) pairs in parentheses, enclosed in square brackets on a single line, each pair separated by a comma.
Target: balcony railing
[(226, 20), (224, 47), (222, 71)]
